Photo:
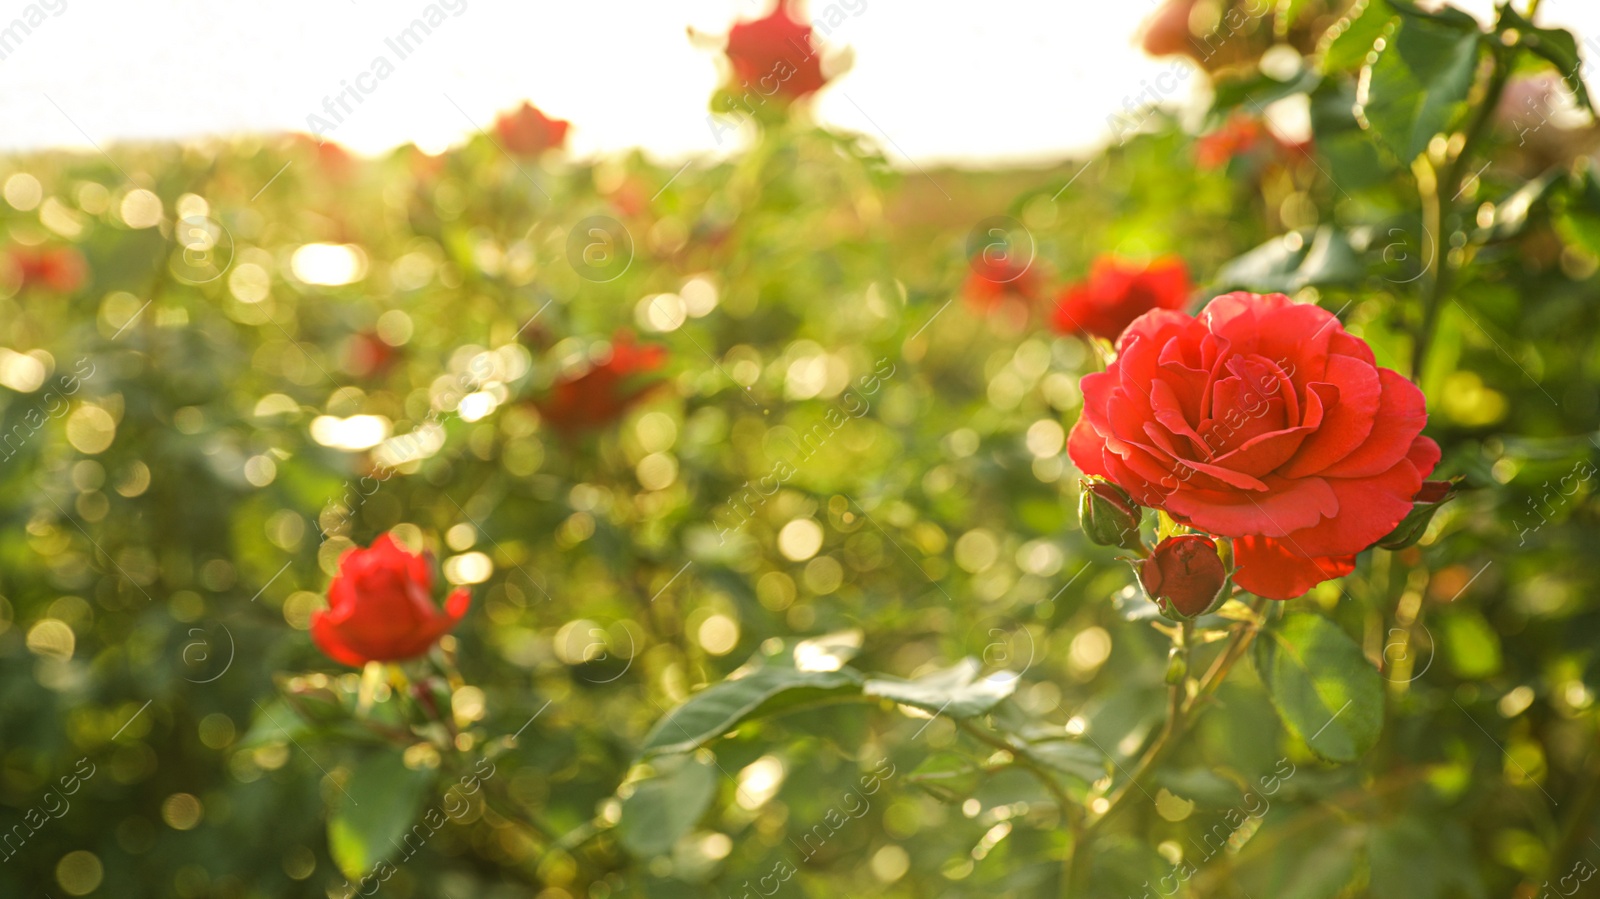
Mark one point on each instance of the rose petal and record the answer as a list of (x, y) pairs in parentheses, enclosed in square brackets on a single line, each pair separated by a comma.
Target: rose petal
[(1348, 421), (1402, 412), (1368, 509), (1286, 506), (1266, 567)]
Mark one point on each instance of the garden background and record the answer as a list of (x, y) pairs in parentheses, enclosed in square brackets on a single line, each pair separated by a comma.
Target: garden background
[(836, 487)]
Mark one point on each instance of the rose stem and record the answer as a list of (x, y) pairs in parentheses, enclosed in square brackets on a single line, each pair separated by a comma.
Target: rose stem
[(1435, 210), (1178, 720)]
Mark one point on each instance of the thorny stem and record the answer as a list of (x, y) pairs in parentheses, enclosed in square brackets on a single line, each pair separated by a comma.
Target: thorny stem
[(1073, 821), (1021, 760), (1181, 714)]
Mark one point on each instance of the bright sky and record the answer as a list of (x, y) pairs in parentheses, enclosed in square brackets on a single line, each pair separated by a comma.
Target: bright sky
[(976, 83)]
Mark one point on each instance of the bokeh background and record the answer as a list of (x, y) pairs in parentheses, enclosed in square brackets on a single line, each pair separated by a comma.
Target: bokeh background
[(229, 352)]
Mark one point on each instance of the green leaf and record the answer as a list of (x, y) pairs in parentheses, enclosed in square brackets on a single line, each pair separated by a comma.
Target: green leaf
[(947, 776), (760, 692), (1418, 83), (381, 803), (665, 806), (1512, 214), (1324, 689), (1071, 758), (1298, 259), (829, 652), (955, 691), (1557, 46), (1251, 95), (277, 723), (1204, 785), (1346, 45)]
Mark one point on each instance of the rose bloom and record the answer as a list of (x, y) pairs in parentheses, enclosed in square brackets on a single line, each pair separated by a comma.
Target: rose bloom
[(774, 56), (991, 280), (1262, 420), (594, 398), (1119, 291), (57, 269), (526, 131), (381, 608)]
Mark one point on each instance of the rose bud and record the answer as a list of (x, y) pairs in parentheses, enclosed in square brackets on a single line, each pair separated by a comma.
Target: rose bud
[(1184, 576), (381, 607), (1107, 514), (1427, 501)]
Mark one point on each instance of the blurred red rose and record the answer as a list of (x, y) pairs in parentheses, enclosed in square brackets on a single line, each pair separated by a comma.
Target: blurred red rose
[(1263, 420), (367, 356), (775, 56), (424, 166), (56, 269), (598, 396), (631, 197), (1166, 31), (1183, 574), (990, 280), (1119, 291), (526, 131), (1243, 135), (332, 159), (381, 608)]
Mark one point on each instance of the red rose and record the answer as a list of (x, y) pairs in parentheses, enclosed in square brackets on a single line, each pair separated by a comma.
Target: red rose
[(1119, 291), (774, 56), (993, 279), (526, 131), (594, 398), (57, 269), (1183, 574), (380, 607), (332, 159), (1242, 135), (1235, 137), (1263, 420), (1166, 32)]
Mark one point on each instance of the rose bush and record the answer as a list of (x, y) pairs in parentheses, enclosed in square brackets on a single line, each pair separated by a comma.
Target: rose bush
[(1264, 420)]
